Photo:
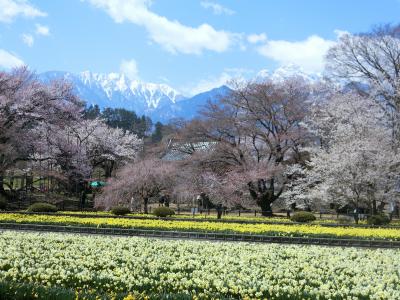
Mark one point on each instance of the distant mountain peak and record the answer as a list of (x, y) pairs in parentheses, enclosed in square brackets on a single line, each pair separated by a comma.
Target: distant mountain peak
[(112, 83), (287, 71), (159, 101), (118, 89)]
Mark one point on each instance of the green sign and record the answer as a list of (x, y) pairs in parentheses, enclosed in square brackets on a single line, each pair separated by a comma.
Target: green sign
[(97, 183)]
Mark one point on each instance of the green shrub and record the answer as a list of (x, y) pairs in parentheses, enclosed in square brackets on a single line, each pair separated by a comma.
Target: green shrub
[(42, 207), (163, 211), (378, 220), (303, 217), (3, 204), (120, 210)]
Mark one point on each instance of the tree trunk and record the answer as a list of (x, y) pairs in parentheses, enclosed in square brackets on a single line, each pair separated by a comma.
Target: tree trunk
[(2, 191), (265, 201), (145, 205), (219, 211), (12, 181), (109, 167), (374, 210), (356, 214), (263, 195)]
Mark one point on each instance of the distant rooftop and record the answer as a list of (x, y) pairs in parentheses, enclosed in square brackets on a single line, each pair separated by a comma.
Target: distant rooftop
[(178, 151)]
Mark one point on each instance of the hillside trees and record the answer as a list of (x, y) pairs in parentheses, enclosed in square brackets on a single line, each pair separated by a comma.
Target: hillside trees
[(125, 120), (157, 134)]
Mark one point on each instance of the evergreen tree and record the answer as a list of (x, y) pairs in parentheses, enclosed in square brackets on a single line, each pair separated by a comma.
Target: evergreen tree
[(92, 112), (157, 134)]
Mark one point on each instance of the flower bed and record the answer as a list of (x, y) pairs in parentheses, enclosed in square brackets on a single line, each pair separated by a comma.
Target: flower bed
[(304, 230), (203, 216), (118, 267)]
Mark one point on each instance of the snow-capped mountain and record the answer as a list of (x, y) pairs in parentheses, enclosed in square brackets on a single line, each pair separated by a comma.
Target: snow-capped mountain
[(287, 71), (116, 90), (158, 101), (115, 83)]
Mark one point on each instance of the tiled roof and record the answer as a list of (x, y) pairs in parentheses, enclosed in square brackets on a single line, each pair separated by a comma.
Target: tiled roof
[(182, 151)]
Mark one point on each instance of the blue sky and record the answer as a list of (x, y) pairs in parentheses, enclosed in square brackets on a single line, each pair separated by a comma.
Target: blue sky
[(191, 45)]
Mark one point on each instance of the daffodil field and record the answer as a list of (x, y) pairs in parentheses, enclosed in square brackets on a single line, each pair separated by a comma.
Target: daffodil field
[(71, 266), (228, 217), (139, 268), (306, 230), (204, 216)]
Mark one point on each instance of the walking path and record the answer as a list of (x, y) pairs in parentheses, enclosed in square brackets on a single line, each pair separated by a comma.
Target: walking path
[(204, 236)]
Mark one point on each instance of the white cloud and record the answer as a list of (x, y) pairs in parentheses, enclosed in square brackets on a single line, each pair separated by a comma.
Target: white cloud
[(216, 8), (340, 33), (10, 9), (307, 54), (42, 30), (28, 39), (170, 34), (225, 78), (129, 68), (256, 38), (8, 60), (208, 84)]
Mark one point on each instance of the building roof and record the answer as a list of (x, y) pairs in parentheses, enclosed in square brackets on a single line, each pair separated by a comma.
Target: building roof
[(178, 151)]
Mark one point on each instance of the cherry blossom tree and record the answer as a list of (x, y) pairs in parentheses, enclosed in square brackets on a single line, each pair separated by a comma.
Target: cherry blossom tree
[(78, 147), (216, 190), (353, 160), (25, 104), (105, 145), (372, 59), (43, 129), (257, 133), (135, 184)]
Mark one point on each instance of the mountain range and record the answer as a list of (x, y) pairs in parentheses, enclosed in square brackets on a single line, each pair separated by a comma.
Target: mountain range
[(158, 101)]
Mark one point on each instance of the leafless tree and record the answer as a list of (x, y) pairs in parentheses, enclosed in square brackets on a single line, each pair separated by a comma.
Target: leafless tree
[(372, 58)]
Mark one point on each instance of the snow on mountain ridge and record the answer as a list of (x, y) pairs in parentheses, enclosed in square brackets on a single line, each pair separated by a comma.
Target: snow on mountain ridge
[(287, 71), (158, 101), (115, 83)]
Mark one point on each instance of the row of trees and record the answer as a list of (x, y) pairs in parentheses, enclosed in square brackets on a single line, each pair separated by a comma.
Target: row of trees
[(265, 143), (334, 142), (44, 131), (121, 118)]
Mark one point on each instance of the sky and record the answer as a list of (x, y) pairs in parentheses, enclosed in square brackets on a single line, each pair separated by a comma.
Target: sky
[(191, 45)]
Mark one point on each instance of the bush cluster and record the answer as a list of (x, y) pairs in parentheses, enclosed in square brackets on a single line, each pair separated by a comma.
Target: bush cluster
[(378, 220), (42, 207), (120, 210), (303, 217), (163, 212)]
